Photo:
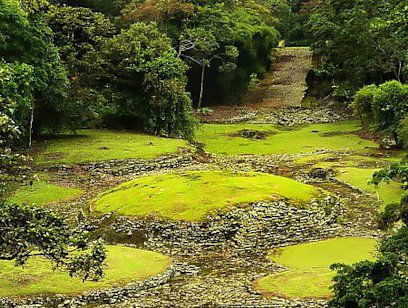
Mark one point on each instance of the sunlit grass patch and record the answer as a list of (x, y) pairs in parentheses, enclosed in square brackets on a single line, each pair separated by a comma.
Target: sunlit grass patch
[(99, 145), (358, 170), (192, 195), (359, 177), (309, 273), (222, 139), (124, 265), (43, 193), (313, 159)]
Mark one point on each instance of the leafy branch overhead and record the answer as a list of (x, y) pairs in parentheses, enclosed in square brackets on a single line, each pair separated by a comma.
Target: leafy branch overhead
[(27, 231)]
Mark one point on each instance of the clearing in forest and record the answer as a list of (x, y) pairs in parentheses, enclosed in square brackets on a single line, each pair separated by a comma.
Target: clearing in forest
[(231, 139)]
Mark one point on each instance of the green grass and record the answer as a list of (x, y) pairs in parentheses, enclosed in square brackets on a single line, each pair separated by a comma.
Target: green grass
[(220, 139), (192, 195), (124, 265), (358, 170), (313, 159), (99, 145), (43, 193), (359, 177), (309, 273)]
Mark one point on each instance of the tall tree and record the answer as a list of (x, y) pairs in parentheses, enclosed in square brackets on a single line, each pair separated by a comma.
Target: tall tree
[(149, 82), (27, 39), (200, 47), (361, 41)]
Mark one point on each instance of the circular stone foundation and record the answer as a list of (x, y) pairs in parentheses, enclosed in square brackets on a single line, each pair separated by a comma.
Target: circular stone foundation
[(309, 274), (192, 195)]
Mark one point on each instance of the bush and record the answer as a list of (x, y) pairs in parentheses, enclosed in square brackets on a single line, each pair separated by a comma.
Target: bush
[(382, 107), (390, 215), (362, 104), (402, 132)]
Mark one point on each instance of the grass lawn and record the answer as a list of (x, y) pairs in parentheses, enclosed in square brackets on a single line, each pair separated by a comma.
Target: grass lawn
[(358, 170), (124, 265), (359, 177), (98, 145), (309, 273), (223, 139), (192, 195), (43, 193)]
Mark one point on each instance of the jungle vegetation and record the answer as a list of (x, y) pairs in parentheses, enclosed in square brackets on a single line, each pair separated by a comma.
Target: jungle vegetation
[(146, 65)]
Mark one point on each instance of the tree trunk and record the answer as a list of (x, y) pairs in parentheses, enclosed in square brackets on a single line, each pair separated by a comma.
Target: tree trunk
[(399, 70), (200, 100), (30, 128)]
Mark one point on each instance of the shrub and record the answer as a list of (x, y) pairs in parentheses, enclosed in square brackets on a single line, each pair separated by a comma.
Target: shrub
[(390, 215), (362, 104), (382, 107), (402, 132)]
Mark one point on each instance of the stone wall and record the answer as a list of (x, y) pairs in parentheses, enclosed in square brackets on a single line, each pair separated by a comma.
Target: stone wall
[(107, 296), (245, 230)]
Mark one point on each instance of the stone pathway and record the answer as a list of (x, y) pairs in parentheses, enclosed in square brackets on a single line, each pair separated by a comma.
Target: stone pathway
[(285, 85)]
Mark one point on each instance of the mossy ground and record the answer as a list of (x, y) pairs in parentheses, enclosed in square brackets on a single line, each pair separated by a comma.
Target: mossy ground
[(357, 170), (43, 193), (124, 265), (358, 177), (223, 139), (192, 195), (309, 273), (98, 145)]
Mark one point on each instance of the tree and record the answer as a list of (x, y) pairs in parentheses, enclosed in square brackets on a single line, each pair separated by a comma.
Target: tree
[(379, 283), (161, 11), (26, 230), (80, 33), (148, 88), (382, 107), (12, 165), (245, 34), (200, 47), (361, 41), (26, 39)]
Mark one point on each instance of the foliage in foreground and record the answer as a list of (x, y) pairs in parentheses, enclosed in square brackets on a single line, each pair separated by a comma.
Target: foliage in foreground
[(123, 265), (382, 283), (26, 230)]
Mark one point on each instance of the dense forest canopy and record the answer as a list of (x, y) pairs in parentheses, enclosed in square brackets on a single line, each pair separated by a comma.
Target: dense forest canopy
[(70, 47)]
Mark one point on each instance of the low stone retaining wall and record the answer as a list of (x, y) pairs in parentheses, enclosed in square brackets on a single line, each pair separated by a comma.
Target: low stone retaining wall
[(260, 226)]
